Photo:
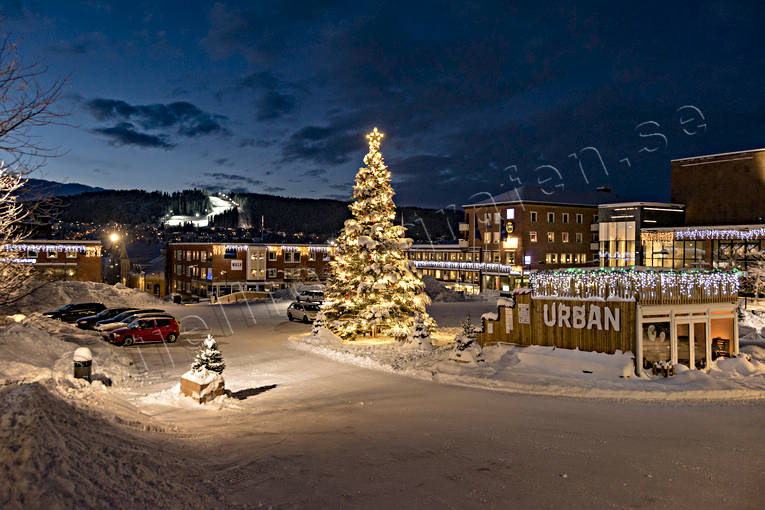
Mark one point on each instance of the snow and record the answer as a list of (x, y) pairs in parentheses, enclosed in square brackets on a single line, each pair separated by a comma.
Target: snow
[(503, 301), (751, 327), (438, 292), (490, 316), (541, 370), (46, 296), (219, 206), (202, 377)]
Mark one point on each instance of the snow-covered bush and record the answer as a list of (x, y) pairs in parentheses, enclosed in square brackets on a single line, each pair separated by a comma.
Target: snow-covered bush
[(318, 323), (209, 357)]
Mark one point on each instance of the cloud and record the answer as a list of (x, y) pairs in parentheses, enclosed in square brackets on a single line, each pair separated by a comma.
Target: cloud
[(273, 189), (124, 133), (316, 172), (83, 44), (221, 176), (323, 145), (273, 104), (180, 118)]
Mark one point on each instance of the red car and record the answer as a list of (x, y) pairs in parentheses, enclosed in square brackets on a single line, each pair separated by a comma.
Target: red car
[(147, 329)]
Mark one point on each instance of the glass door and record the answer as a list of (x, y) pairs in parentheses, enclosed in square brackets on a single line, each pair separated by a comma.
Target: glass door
[(684, 344), (700, 345)]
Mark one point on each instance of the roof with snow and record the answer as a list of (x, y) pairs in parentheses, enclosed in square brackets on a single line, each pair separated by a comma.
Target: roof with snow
[(536, 194)]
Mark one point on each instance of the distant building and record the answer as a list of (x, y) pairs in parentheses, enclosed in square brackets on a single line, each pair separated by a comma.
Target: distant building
[(149, 277), (530, 228), (620, 226), (205, 269), (721, 189), (460, 269), (59, 260), (135, 257)]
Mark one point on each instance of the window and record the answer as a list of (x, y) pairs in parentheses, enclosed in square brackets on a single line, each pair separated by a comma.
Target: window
[(579, 219), (579, 237), (533, 216), (551, 258), (287, 256), (497, 217), (533, 237), (527, 259), (32, 254), (271, 255), (565, 217), (271, 272), (179, 269), (510, 213), (296, 257), (551, 217), (71, 254), (564, 237), (178, 255), (551, 237), (510, 258), (52, 254), (495, 257)]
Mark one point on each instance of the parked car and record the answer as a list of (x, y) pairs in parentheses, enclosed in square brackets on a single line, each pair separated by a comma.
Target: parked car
[(72, 312), (302, 311), (147, 329), (129, 320), (90, 321), (310, 296), (118, 321)]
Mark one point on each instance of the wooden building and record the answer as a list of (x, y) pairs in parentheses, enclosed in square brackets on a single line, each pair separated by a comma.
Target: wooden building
[(662, 317)]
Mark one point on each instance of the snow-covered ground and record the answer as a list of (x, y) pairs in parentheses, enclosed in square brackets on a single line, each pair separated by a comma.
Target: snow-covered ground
[(219, 205), (302, 431)]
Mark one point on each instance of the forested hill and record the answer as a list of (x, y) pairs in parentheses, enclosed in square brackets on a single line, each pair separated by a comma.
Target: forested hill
[(323, 217)]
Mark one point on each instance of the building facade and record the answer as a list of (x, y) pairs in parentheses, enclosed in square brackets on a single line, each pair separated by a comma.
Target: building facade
[(59, 260), (207, 269), (529, 229), (721, 189), (620, 226)]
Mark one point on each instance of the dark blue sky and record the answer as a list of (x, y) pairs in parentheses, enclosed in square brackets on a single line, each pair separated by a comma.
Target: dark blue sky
[(276, 97)]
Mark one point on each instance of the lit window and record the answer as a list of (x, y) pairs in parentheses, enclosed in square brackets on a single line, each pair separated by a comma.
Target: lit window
[(551, 237), (510, 212), (527, 259), (564, 237), (533, 237)]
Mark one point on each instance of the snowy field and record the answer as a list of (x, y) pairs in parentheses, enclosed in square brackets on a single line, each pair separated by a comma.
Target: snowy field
[(301, 430)]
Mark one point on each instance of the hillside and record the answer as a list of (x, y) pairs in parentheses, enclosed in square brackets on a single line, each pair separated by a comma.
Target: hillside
[(323, 217)]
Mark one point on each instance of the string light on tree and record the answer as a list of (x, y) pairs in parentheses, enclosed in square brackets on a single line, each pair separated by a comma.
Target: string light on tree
[(372, 286)]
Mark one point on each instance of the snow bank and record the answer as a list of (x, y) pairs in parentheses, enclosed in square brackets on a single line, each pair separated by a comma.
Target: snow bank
[(172, 397), (541, 370), (438, 292), (751, 327), (58, 455), (38, 348), (51, 295)]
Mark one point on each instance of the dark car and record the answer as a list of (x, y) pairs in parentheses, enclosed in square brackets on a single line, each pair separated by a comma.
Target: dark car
[(74, 311), (147, 329), (104, 324), (90, 321)]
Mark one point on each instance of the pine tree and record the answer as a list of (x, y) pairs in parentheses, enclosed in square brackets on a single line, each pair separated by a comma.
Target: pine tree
[(420, 333), (209, 357), (372, 284), (466, 338)]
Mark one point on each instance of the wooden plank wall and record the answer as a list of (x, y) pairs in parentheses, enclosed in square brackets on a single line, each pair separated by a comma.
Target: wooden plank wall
[(537, 333)]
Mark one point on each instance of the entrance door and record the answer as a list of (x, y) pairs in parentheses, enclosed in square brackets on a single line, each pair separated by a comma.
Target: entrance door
[(700, 345), (692, 344), (684, 344)]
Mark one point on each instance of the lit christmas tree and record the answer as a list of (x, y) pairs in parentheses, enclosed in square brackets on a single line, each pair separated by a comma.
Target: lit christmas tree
[(373, 286), (209, 357)]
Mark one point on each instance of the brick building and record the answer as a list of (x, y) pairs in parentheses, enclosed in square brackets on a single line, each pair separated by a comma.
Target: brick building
[(205, 269), (529, 228), (59, 260), (721, 189)]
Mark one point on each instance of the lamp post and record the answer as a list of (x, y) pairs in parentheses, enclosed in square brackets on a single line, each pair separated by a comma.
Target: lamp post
[(225, 273)]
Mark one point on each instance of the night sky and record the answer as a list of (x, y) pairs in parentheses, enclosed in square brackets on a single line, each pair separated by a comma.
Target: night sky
[(276, 97)]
